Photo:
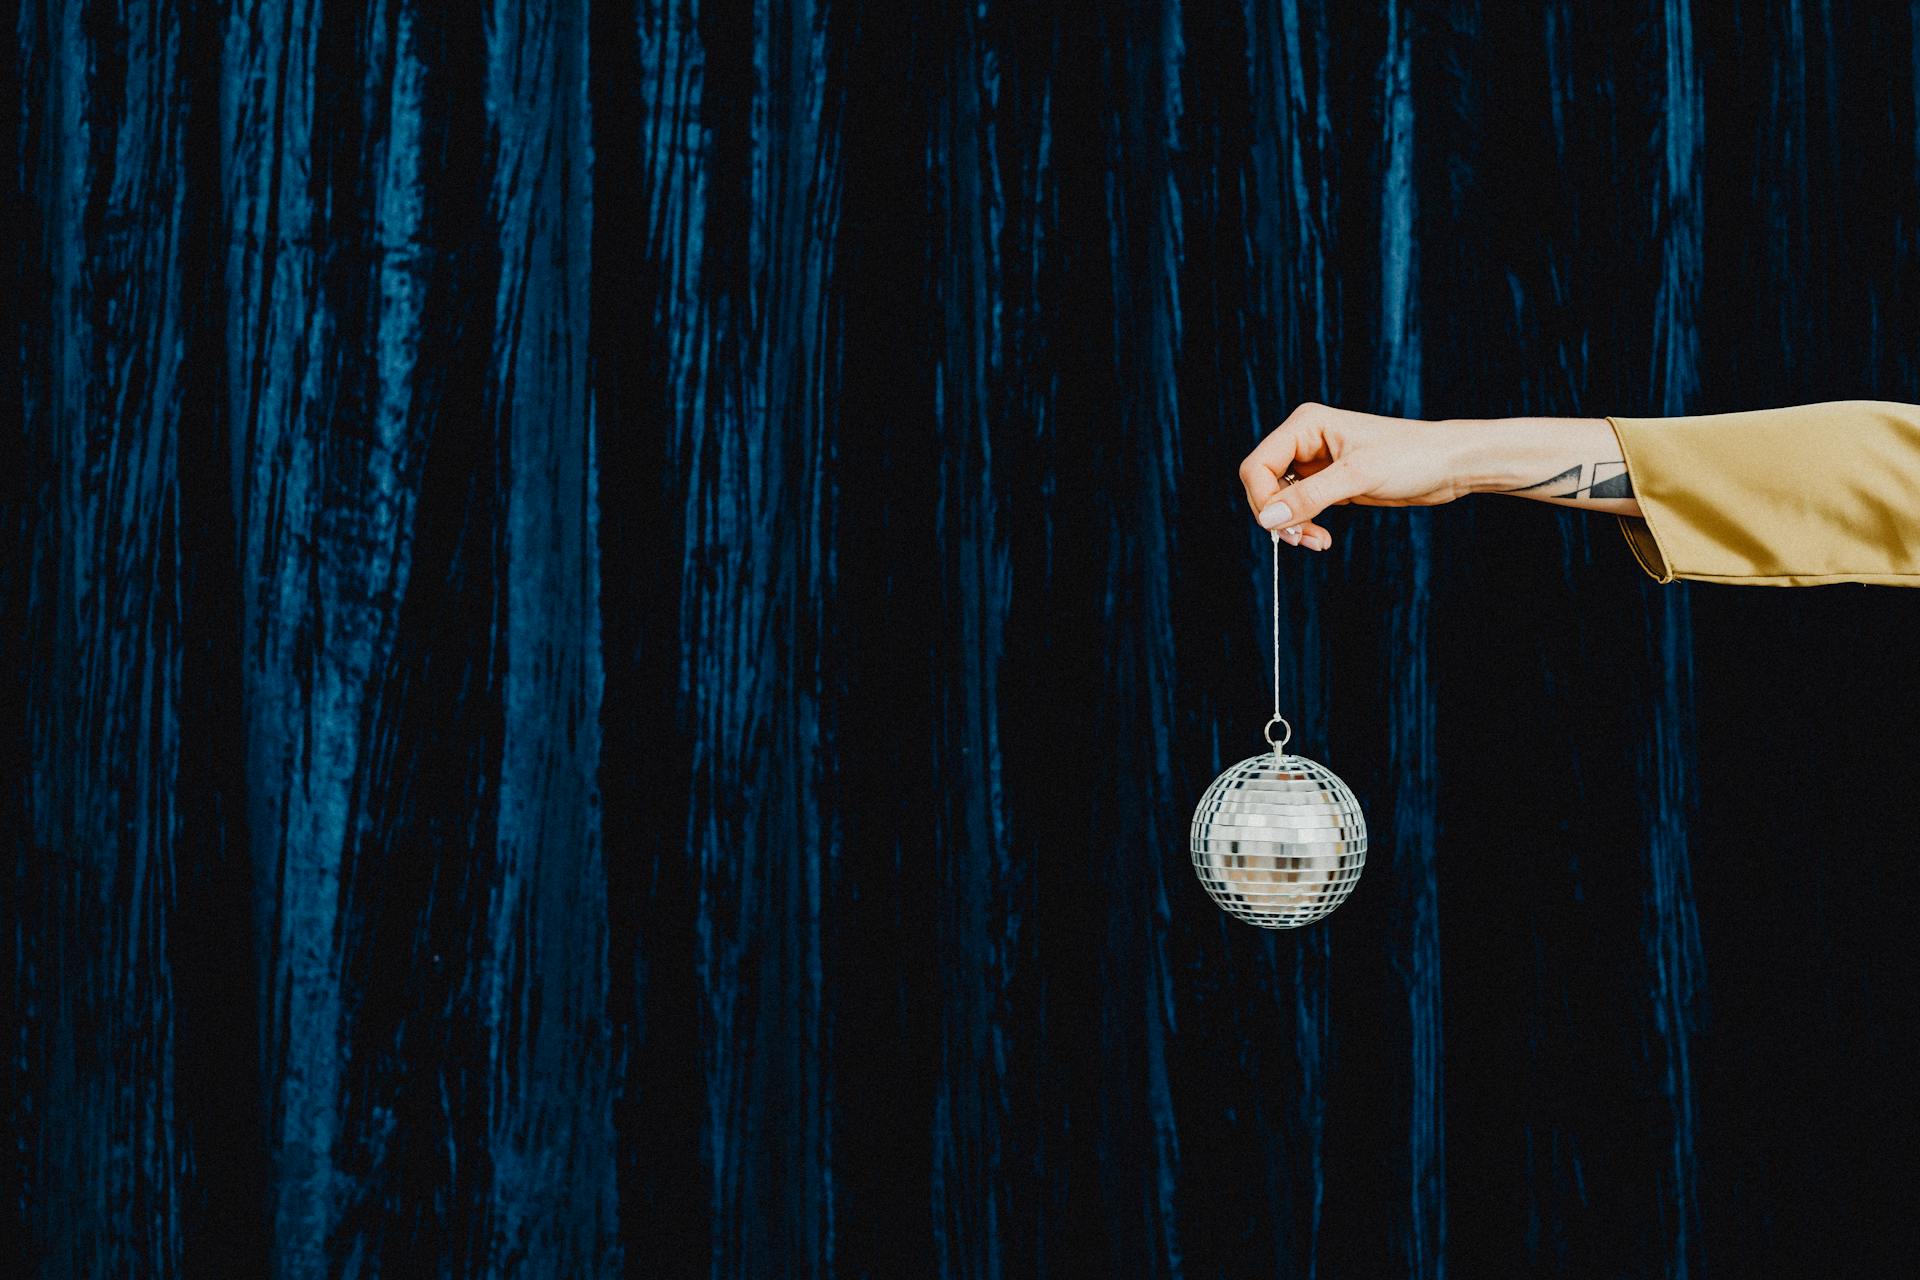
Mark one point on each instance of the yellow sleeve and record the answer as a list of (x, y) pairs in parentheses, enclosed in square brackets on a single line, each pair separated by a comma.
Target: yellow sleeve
[(1777, 497)]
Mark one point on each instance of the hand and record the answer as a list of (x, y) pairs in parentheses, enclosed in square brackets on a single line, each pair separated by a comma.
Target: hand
[(1342, 456)]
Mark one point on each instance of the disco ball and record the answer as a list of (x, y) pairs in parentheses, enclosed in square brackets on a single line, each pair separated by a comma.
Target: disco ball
[(1278, 840)]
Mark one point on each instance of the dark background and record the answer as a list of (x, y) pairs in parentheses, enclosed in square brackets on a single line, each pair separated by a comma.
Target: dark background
[(614, 615)]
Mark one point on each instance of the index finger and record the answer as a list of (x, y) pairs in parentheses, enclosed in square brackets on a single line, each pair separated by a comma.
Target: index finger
[(1263, 472)]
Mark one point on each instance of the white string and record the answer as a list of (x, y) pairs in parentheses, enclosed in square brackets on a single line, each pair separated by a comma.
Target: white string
[(1276, 624), (1278, 719)]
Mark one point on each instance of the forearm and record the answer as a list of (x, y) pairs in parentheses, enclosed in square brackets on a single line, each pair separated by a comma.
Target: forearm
[(1572, 462)]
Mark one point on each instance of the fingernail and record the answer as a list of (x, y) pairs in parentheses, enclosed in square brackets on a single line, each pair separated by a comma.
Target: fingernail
[(1275, 515), (1292, 536)]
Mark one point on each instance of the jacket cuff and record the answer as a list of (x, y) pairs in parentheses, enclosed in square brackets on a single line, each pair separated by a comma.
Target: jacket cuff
[(1642, 539)]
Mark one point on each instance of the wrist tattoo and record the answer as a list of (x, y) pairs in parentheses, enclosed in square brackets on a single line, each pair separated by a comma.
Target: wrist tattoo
[(1583, 480)]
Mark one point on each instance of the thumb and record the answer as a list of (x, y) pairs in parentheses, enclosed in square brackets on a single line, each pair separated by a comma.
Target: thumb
[(1336, 482)]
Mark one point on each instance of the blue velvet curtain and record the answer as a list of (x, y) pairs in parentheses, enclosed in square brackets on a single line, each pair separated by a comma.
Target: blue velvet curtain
[(613, 614)]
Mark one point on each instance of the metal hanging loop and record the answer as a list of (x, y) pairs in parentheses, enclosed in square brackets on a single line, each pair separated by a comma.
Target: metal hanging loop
[(1286, 732)]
